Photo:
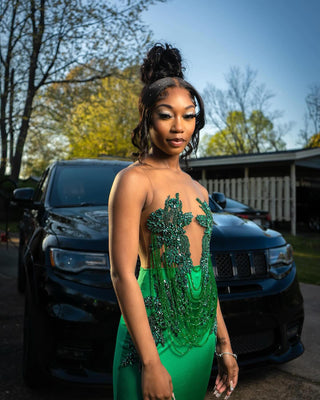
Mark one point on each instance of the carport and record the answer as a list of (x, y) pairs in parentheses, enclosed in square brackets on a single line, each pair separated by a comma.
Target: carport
[(266, 181)]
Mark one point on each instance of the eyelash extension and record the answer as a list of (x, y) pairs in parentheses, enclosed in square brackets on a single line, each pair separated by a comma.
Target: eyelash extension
[(168, 116), (164, 116), (189, 116)]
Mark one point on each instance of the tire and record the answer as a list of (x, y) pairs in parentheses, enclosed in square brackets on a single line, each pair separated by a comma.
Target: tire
[(33, 336)]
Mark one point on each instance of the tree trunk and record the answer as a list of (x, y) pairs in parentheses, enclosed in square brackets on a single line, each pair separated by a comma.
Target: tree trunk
[(37, 42), (17, 158), (3, 164)]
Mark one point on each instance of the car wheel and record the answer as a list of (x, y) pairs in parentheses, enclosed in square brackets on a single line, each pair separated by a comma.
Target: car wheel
[(32, 368), (21, 278)]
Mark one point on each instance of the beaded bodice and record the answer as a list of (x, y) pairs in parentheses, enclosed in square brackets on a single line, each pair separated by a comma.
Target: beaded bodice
[(181, 303)]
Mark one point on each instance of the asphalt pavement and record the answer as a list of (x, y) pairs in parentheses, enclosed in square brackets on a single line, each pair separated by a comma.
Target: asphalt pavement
[(296, 380)]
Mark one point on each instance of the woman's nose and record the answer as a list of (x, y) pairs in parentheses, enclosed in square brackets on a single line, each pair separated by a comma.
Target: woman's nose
[(177, 125)]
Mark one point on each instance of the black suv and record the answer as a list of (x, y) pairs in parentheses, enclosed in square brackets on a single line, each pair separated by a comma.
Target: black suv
[(71, 312)]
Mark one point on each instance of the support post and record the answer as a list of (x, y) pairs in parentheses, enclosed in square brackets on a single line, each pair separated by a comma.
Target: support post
[(293, 208)]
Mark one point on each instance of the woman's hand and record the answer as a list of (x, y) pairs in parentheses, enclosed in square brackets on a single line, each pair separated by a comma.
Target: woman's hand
[(227, 378), (156, 382)]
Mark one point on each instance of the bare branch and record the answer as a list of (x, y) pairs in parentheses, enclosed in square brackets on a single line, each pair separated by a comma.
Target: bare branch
[(241, 114), (43, 40)]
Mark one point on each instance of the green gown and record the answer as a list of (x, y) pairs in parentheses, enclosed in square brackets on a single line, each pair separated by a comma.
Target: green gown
[(181, 302)]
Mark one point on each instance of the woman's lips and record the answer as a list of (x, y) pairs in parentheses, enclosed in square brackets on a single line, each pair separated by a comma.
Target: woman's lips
[(176, 142)]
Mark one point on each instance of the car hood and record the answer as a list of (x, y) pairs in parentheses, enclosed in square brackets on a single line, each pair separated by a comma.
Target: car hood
[(233, 233), (248, 210), (84, 228)]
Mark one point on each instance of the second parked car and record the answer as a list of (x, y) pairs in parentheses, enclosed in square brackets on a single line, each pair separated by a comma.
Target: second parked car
[(232, 206), (71, 311)]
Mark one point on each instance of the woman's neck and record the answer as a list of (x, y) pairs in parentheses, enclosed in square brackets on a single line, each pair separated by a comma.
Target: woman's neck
[(161, 160)]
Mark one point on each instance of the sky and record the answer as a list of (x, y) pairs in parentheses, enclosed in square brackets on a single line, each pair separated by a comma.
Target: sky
[(280, 39)]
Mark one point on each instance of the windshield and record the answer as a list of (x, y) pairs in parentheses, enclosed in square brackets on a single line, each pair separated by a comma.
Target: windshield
[(82, 185)]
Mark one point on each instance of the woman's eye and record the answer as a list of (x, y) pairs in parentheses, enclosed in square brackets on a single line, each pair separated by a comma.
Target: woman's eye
[(164, 116), (189, 116)]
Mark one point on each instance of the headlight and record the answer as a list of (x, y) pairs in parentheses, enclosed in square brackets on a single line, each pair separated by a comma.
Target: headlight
[(77, 261), (281, 256), (280, 261)]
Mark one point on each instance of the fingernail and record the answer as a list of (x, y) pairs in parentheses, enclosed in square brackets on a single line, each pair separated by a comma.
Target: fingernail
[(227, 396)]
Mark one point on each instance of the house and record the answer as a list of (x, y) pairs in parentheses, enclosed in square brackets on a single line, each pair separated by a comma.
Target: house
[(281, 182)]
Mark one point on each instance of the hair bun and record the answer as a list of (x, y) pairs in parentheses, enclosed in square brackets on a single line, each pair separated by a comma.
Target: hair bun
[(162, 61)]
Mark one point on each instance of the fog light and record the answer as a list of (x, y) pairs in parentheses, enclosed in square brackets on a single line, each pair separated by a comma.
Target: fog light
[(292, 332)]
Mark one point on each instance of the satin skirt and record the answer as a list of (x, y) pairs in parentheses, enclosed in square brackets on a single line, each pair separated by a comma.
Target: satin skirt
[(189, 371)]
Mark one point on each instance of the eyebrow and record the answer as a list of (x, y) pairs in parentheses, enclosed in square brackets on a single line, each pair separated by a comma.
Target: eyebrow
[(169, 106)]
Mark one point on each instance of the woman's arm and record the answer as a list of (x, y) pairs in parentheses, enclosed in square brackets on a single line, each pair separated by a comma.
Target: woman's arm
[(228, 369), (127, 199)]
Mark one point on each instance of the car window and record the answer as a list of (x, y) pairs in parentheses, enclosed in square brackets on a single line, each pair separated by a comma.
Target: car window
[(214, 207), (42, 187), (80, 185)]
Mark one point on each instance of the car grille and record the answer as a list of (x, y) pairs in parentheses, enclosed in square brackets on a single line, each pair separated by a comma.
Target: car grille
[(239, 265), (253, 343)]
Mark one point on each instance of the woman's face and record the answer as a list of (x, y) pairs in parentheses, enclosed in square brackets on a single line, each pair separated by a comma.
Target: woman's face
[(173, 121)]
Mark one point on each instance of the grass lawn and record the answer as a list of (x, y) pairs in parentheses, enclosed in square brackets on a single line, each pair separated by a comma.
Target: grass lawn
[(306, 252)]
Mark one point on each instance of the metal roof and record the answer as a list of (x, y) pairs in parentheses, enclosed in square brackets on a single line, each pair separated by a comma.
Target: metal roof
[(303, 157)]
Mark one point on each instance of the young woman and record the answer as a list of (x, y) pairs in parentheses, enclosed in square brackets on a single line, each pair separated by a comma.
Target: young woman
[(171, 316)]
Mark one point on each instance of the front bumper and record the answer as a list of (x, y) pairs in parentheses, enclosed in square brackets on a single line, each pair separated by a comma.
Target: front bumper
[(265, 325), (83, 322)]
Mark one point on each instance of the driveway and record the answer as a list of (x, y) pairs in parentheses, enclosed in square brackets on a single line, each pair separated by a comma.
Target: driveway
[(296, 380)]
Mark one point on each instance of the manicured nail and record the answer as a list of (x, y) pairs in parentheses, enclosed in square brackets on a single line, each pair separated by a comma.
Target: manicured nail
[(227, 396)]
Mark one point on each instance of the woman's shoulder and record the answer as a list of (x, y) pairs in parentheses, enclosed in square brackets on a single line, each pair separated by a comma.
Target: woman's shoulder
[(133, 172), (132, 176)]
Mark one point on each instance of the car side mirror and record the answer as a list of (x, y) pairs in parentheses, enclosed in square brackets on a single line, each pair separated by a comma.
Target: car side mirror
[(219, 198), (23, 197)]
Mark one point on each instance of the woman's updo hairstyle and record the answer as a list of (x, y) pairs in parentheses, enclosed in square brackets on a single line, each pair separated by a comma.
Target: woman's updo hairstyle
[(160, 70), (161, 62)]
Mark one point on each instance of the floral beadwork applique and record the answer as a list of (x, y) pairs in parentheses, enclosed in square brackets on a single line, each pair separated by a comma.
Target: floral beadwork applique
[(180, 312)]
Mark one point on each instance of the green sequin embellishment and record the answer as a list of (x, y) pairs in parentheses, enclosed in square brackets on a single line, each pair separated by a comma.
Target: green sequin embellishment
[(181, 312)]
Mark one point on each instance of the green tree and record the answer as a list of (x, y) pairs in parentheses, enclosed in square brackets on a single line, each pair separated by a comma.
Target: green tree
[(41, 40), (237, 133), (308, 135), (103, 123), (314, 141), (83, 120), (241, 117), (41, 148)]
